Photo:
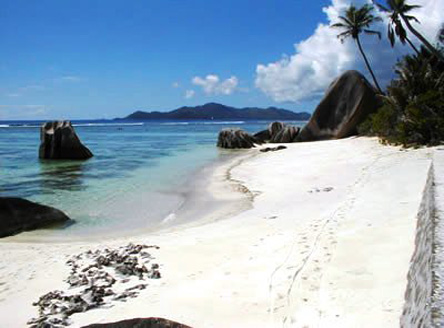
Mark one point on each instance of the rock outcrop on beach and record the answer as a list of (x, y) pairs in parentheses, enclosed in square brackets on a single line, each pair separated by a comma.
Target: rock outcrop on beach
[(18, 215), (140, 323), (278, 132), (286, 135), (58, 140), (349, 100), (236, 138)]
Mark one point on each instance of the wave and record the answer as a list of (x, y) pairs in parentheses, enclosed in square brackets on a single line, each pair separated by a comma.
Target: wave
[(12, 126), (38, 125), (205, 123), (175, 123), (107, 124)]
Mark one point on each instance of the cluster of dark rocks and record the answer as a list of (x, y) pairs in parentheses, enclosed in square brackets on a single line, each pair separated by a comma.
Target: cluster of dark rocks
[(348, 101), (97, 278), (236, 138), (277, 132)]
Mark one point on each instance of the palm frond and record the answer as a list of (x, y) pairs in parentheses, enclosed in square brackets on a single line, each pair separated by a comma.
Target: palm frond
[(391, 35), (373, 33), (412, 18), (407, 7)]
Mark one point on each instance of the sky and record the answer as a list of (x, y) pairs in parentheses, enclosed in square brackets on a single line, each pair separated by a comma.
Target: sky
[(93, 59)]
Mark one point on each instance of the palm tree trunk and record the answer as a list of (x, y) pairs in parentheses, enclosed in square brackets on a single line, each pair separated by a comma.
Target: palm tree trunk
[(424, 41), (412, 45), (368, 64)]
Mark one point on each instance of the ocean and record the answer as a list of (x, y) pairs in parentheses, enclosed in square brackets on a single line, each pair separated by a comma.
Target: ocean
[(134, 182)]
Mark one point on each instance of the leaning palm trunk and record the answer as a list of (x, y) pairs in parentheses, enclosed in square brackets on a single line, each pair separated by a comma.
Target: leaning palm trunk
[(412, 45), (426, 43), (368, 65)]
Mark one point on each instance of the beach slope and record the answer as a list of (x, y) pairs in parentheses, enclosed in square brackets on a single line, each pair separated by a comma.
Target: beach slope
[(327, 243)]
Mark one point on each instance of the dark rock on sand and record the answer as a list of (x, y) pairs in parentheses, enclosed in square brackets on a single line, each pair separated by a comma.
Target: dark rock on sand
[(235, 138), (267, 149), (270, 132), (349, 100), (286, 135), (18, 215), (58, 140), (140, 323), (262, 136), (278, 132)]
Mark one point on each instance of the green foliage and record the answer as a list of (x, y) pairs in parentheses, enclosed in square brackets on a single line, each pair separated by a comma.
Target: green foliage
[(413, 110)]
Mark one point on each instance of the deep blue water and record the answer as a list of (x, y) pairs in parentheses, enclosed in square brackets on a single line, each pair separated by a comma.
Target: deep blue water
[(133, 181)]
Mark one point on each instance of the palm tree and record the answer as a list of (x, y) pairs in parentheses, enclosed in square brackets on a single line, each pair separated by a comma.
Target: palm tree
[(399, 10), (355, 22), (395, 27)]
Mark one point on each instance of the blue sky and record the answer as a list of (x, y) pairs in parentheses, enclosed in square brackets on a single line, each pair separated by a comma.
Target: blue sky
[(107, 58)]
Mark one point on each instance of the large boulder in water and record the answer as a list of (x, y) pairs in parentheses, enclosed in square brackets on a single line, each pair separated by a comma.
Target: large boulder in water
[(58, 140), (18, 215), (236, 138), (349, 100), (139, 323)]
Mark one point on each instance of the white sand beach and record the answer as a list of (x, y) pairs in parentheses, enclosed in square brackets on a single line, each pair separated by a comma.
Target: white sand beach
[(326, 242)]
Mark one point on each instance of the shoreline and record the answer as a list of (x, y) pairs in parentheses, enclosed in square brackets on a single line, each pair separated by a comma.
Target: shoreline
[(314, 249), (205, 197)]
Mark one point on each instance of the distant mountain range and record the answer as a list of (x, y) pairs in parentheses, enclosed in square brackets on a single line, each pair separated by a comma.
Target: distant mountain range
[(213, 111)]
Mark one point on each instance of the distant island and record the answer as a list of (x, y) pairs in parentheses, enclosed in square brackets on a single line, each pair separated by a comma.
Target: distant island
[(214, 111)]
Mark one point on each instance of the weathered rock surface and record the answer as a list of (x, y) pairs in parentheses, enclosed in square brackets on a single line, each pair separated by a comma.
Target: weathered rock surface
[(349, 100), (286, 135), (58, 140), (235, 138), (140, 323), (262, 136), (275, 127), (18, 215), (278, 132)]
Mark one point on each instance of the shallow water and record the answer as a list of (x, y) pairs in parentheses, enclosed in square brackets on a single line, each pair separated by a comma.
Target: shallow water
[(134, 181)]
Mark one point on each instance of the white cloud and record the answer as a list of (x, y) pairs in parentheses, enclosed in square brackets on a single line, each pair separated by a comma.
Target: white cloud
[(175, 85), (33, 87), (212, 85), (69, 78), (189, 94), (319, 59)]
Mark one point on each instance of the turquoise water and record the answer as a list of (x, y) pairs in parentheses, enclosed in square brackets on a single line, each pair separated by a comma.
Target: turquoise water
[(133, 182)]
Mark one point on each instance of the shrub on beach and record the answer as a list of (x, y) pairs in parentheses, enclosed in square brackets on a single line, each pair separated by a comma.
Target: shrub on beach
[(413, 110)]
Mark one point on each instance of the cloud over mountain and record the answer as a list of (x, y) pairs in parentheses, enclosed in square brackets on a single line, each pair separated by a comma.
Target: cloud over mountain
[(212, 85)]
